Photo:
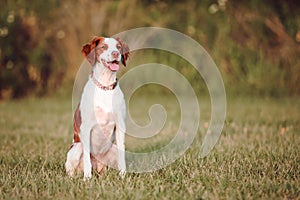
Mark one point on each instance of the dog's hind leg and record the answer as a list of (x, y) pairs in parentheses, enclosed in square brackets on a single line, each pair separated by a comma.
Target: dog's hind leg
[(73, 158)]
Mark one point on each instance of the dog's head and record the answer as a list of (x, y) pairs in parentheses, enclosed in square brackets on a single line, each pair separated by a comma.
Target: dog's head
[(108, 51)]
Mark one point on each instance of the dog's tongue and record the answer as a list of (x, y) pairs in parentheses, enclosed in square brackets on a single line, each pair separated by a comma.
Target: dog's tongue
[(113, 66)]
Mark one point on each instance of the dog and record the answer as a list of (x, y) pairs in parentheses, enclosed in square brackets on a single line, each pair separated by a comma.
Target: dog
[(100, 116)]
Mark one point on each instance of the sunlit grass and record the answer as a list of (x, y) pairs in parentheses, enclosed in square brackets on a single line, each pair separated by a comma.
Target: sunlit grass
[(257, 156)]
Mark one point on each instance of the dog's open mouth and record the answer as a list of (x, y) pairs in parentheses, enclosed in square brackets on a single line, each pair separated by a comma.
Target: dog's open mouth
[(112, 65)]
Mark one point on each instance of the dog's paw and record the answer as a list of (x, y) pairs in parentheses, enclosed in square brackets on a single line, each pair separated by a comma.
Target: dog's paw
[(122, 173), (69, 170), (87, 176), (71, 173)]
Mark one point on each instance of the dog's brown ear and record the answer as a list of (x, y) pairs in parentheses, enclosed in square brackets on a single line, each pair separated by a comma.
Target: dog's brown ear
[(124, 51), (88, 50)]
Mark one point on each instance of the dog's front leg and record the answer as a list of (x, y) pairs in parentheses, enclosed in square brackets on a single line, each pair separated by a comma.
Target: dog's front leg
[(120, 139), (85, 134)]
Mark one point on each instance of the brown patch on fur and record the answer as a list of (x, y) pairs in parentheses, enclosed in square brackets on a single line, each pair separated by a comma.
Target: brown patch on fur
[(76, 124), (124, 51), (88, 50)]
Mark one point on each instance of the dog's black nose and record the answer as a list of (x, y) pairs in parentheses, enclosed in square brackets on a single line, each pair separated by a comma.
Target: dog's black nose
[(115, 54)]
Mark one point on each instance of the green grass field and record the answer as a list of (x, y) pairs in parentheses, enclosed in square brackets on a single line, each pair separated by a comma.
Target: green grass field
[(257, 156)]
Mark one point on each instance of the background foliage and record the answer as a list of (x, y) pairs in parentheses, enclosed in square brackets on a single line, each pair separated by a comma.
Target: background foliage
[(256, 44)]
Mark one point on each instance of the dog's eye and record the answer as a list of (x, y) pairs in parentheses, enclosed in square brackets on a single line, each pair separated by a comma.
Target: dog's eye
[(102, 46), (119, 47)]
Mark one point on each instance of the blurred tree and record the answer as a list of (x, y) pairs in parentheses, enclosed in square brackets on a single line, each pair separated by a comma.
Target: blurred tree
[(255, 43), (27, 49), (14, 64)]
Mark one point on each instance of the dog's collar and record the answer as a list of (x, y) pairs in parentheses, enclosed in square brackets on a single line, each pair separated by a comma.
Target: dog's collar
[(103, 87)]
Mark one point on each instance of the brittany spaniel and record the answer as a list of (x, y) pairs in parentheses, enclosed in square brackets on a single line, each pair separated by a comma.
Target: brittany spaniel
[(100, 116)]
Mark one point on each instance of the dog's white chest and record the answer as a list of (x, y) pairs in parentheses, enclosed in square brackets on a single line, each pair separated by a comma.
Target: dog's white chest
[(105, 119), (102, 134), (103, 100)]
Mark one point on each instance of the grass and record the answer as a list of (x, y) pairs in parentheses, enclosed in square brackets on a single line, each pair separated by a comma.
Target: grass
[(257, 156)]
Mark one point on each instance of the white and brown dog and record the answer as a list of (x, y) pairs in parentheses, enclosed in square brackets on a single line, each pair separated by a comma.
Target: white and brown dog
[(100, 116)]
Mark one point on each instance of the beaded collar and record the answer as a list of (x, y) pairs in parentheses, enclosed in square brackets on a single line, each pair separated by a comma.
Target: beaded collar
[(103, 87)]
